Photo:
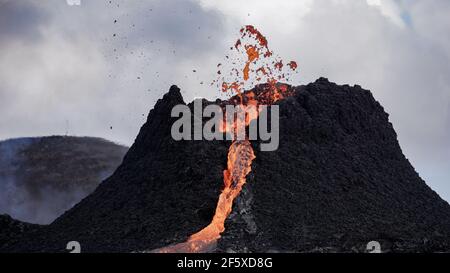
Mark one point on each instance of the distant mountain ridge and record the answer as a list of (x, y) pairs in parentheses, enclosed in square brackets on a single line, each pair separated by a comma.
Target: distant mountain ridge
[(42, 177)]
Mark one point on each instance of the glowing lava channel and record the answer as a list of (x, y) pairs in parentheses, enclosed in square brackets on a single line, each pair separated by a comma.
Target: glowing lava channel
[(240, 157), (240, 153)]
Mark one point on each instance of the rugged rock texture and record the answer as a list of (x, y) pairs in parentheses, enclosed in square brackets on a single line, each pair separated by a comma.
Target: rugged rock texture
[(11, 230), (41, 178), (337, 181)]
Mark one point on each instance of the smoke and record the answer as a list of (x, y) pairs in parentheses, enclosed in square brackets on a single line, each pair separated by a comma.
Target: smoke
[(42, 206), (10, 161), (32, 199)]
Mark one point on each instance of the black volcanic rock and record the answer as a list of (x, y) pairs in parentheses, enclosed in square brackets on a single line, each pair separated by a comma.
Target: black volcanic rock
[(337, 181), (12, 230), (42, 177)]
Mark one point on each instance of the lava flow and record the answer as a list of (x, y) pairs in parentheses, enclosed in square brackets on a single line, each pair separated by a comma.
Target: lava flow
[(269, 71)]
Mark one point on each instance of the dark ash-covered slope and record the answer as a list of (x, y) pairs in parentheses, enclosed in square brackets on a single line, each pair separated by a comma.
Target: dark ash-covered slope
[(337, 181), (12, 230)]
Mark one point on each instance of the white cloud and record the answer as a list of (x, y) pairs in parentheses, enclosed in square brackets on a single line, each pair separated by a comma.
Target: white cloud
[(263, 13), (86, 74), (390, 9)]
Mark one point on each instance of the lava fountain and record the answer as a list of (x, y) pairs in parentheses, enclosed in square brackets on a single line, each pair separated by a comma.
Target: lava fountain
[(268, 70)]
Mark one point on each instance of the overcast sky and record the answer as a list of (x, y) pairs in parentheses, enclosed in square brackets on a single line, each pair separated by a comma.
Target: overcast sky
[(84, 69)]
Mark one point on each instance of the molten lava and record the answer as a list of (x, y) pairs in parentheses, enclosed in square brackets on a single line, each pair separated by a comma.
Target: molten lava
[(253, 55), (240, 157), (240, 154)]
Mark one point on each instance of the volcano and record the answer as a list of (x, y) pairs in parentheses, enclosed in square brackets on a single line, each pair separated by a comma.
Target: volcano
[(337, 181)]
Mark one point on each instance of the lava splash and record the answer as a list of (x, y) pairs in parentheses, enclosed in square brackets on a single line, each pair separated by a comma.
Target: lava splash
[(258, 66)]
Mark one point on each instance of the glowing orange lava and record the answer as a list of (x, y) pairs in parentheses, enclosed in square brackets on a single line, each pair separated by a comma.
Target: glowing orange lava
[(240, 157), (253, 55), (240, 154), (293, 65)]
